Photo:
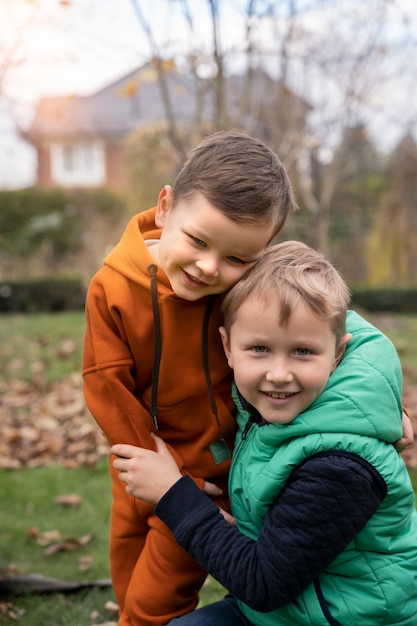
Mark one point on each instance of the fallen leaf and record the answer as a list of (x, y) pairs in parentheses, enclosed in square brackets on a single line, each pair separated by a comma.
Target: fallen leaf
[(84, 563), (32, 532), (68, 545), (65, 349), (111, 607), (72, 500), (11, 611), (48, 537)]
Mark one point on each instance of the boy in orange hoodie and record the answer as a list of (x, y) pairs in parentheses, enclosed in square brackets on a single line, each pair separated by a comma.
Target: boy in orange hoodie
[(153, 359)]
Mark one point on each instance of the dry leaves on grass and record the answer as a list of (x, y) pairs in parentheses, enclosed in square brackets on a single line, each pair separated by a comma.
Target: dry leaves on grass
[(53, 542), (11, 612), (39, 428)]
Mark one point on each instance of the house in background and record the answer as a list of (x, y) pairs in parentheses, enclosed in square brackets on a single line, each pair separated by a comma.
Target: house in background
[(81, 141)]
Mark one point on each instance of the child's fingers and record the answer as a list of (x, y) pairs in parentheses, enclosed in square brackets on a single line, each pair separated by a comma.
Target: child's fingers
[(211, 489), (124, 450), (160, 443), (229, 518)]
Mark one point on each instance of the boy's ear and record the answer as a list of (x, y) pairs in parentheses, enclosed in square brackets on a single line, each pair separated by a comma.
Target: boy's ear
[(226, 346), (164, 205), (341, 350)]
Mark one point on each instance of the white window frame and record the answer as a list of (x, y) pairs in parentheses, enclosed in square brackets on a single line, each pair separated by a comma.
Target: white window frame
[(78, 163)]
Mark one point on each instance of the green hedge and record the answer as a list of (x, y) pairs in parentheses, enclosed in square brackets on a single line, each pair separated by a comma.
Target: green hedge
[(41, 229), (392, 300), (51, 295), (68, 294)]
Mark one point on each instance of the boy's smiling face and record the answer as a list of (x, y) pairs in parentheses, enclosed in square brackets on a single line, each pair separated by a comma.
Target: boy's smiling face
[(202, 251), (281, 370)]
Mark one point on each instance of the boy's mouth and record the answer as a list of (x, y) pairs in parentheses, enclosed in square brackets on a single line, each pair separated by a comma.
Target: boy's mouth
[(280, 395), (192, 280)]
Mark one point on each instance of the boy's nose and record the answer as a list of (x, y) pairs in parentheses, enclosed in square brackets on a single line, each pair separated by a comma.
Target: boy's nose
[(279, 372), (208, 265)]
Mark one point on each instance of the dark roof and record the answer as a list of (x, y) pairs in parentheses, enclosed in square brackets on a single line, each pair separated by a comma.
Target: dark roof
[(134, 101), (125, 105)]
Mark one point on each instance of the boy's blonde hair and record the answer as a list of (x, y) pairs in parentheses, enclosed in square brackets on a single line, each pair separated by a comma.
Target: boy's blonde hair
[(240, 176), (290, 272)]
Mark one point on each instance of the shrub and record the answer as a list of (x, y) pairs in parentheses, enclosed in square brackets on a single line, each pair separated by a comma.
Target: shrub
[(42, 231), (52, 295), (393, 300)]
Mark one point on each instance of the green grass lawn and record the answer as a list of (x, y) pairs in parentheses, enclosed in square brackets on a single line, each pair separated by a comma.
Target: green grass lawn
[(31, 522), (30, 518), (42, 349)]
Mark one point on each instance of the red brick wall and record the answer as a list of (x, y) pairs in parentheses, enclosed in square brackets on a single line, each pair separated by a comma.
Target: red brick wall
[(44, 166), (116, 167)]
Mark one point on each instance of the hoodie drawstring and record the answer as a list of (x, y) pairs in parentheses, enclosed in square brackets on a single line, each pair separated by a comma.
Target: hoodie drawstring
[(152, 269), (204, 341)]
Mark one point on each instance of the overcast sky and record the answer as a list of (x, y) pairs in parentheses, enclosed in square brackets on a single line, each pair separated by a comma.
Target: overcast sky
[(80, 44)]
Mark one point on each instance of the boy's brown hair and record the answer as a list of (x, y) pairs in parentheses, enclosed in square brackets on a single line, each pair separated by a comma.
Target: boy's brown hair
[(240, 176), (291, 272)]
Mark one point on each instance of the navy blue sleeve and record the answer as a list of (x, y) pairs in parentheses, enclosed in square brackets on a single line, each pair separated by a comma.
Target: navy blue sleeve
[(326, 502)]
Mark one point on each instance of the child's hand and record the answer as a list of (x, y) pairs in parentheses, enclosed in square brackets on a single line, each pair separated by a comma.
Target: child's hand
[(408, 434), (148, 475), (211, 489), (229, 518)]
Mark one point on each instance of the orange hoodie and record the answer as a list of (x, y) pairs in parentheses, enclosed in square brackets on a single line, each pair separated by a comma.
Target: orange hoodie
[(120, 356)]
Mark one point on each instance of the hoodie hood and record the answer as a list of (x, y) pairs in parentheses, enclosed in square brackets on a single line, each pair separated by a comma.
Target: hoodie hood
[(127, 257), (146, 349), (365, 390)]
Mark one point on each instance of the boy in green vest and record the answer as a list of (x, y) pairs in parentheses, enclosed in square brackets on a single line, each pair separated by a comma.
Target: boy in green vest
[(326, 527)]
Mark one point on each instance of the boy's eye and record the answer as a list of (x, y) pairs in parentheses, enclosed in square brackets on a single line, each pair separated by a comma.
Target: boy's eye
[(197, 241), (303, 351), (259, 349), (235, 259)]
